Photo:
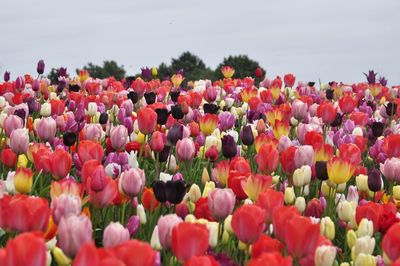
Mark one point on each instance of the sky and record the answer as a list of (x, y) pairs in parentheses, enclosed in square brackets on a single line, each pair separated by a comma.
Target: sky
[(313, 39)]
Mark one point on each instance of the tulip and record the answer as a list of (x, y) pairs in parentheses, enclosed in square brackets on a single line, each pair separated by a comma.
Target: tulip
[(281, 128), (11, 123), (227, 72), (119, 137), (66, 186), (374, 180), (339, 170), (365, 228), (267, 158), (365, 244), (20, 83), (345, 210), (19, 140), (391, 169), (229, 148), (325, 255), (46, 128), (147, 120), (26, 249), (221, 203), (189, 240), (61, 162), (64, 206), (370, 211), (327, 228), (304, 155), (302, 176), (165, 225), (365, 260), (247, 135), (158, 141), (6, 76), (226, 121), (115, 234), (133, 225), (23, 180), (327, 112), (177, 79), (256, 184), (248, 222), (294, 237), (390, 242), (347, 104), (132, 182), (300, 204), (208, 123), (185, 149), (73, 233), (88, 150), (273, 258), (8, 157), (201, 260), (104, 197), (350, 152), (175, 133), (396, 192)]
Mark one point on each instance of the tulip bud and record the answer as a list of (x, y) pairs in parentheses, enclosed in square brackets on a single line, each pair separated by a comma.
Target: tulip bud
[(23, 180), (365, 228), (141, 213), (60, 257), (357, 131), (213, 228), (374, 180), (205, 177), (345, 210), (325, 255), (45, 109), (40, 67), (302, 176), (227, 224), (92, 108), (6, 76), (22, 161), (300, 204), (194, 193), (209, 186), (396, 192), (133, 225), (352, 194), (365, 244), (327, 228), (115, 234), (351, 238), (365, 260), (190, 218), (289, 195), (362, 182), (155, 240)]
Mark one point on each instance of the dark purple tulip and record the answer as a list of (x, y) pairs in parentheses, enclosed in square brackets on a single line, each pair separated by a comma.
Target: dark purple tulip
[(174, 95), (229, 148), (329, 94), (150, 97), (69, 138), (36, 85), (371, 76), (177, 112), (391, 109), (383, 81), (62, 72), (374, 180), (377, 129), (146, 73), (20, 83), (321, 170), (175, 133), (247, 135), (103, 118), (40, 67), (133, 96), (210, 108), (6, 76), (163, 156), (162, 116)]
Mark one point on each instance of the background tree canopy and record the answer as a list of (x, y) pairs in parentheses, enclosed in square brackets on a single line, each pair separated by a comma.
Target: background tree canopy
[(193, 67)]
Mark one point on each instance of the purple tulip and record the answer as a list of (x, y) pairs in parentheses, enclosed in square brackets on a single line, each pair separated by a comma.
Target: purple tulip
[(6, 76), (133, 225), (40, 67), (119, 137)]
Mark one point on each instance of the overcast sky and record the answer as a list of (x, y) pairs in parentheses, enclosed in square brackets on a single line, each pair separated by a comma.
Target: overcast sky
[(330, 40)]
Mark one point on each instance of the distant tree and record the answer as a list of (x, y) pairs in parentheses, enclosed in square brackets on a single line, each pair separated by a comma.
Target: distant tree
[(53, 76), (243, 65), (193, 67), (109, 69)]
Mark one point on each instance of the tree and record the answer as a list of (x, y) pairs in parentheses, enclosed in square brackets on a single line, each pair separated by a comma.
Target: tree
[(109, 69), (243, 65)]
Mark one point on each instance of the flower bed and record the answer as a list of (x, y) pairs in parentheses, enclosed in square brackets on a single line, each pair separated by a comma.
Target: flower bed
[(230, 172)]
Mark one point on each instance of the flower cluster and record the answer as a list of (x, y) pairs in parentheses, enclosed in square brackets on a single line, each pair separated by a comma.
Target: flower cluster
[(148, 172)]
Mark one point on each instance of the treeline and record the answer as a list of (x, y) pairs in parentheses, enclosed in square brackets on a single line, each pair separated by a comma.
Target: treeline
[(187, 63)]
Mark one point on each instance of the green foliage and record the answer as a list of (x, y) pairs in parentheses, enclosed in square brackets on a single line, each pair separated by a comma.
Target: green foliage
[(109, 69), (53, 76), (243, 65)]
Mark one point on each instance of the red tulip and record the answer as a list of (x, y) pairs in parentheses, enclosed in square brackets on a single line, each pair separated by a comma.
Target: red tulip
[(248, 222), (390, 243), (258, 73), (347, 104), (201, 261), (266, 244), (202, 210), (144, 254), (158, 140), (27, 249), (270, 201), (289, 80), (296, 231), (273, 258), (149, 201), (23, 213), (267, 159), (280, 217), (106, 196), (313, 138), (350, 152), (89, 150), (57, 107), (147, 120), (327, 112), (235, 179), (61, 162), (391, 146), (359, 118), (42, 159), (371, 211), (8, 157), (189, 240), (287, 160)]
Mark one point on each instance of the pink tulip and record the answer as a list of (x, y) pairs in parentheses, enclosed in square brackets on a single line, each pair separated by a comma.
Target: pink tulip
[(391, 169), (73, 232), (185, 149), (106, 196), (299, 109), (46, 128), (221, 202), (115, 234), (93, 132), (304, 155), (12, 122), (165, 225), (158, 140), (119, 137), (64, 206), (19, 140), (132, 182)]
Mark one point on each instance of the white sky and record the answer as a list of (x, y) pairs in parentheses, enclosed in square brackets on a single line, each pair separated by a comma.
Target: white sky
[(331, 40)]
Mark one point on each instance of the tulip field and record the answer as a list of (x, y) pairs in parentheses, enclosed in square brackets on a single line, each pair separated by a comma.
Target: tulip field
[(150, 171)]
